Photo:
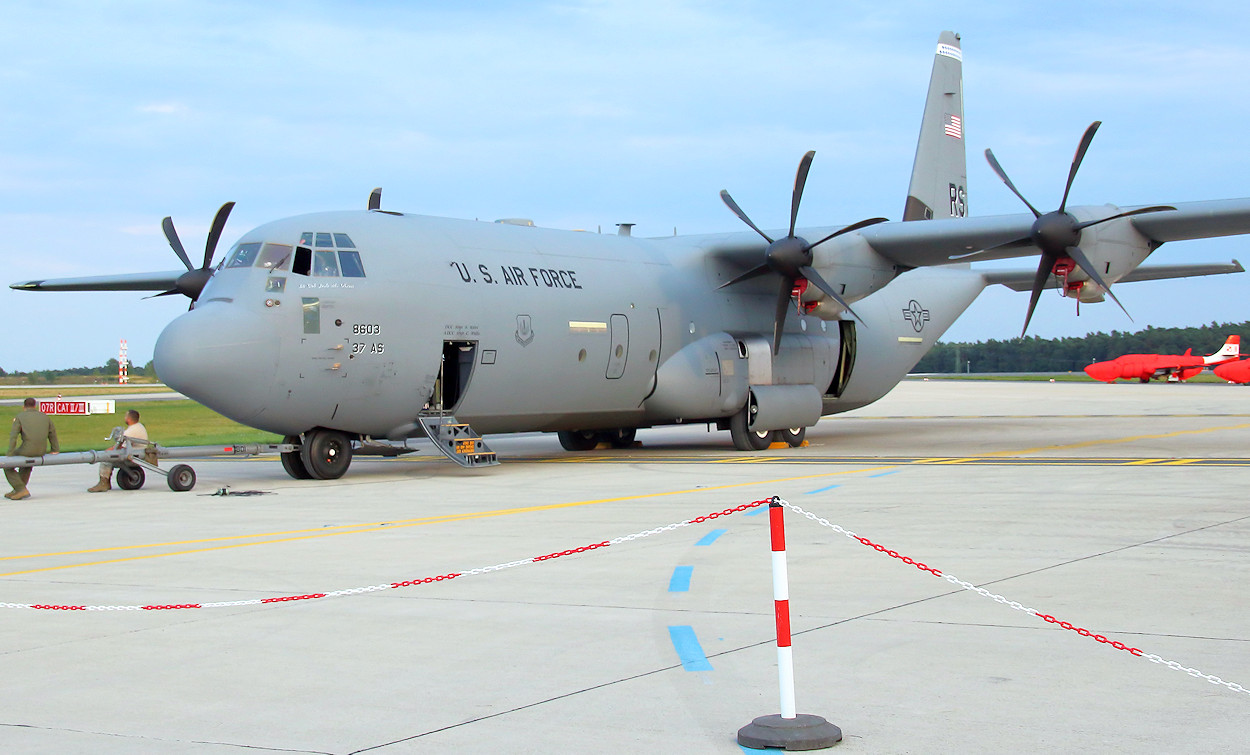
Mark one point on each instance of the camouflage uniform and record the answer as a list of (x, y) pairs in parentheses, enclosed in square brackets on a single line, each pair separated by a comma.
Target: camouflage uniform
[(36, 432)]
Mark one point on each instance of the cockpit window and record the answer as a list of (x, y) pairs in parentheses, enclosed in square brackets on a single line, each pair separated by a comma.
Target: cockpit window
[(325, 264), (244, 255), (274, 257), (322, 254), (352, 267)]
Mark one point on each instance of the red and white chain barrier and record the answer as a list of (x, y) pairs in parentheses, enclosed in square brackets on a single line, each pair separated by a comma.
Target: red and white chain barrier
[(636, 536), (401, 584), (1011, 603)]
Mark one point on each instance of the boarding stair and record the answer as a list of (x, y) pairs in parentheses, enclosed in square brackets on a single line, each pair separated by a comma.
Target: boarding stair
[(456, 440)]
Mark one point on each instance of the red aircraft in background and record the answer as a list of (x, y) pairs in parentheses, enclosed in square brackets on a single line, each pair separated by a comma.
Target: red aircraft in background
[(1174, 367), (1234, 372)]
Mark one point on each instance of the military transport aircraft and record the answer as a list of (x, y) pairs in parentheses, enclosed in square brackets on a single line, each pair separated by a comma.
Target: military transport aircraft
[(1172, 367), (342, 328)]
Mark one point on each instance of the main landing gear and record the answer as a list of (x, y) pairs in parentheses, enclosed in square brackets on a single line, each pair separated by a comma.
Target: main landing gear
[(587, 440), (746, 439)]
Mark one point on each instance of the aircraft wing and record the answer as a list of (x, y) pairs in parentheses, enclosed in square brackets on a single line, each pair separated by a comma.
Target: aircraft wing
[(1195, 220), (126, 282), (973, 239), (1022, 280)]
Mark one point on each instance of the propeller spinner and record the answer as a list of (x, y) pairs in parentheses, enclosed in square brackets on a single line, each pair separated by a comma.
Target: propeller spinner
[(791, 256), (192, 282), (1057, 234)]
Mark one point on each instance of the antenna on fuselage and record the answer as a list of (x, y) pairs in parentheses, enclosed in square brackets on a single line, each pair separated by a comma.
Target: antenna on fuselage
[(375, 199)]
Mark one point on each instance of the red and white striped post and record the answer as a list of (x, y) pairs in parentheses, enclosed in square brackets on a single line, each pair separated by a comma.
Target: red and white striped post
[(789, 730)]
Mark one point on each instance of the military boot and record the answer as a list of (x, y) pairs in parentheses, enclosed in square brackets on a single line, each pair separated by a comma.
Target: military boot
[(103, 485)]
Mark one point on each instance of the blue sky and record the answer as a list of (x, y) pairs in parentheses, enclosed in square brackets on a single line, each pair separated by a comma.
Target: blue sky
[(586, 114)]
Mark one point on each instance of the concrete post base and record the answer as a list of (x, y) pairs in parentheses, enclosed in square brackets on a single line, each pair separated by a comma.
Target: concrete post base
[(803, 732)]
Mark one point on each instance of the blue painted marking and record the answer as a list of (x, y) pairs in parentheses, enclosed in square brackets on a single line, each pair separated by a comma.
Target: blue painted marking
[(883, 474), (821, 490), (680, 582), (688, 649), (710, 537), (757, 511)]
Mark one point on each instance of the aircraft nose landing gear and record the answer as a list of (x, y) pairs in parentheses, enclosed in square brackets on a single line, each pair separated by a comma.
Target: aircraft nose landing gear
[(324, 454)]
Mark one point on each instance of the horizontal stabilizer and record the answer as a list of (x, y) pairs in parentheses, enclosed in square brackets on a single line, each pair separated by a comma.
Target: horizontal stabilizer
[(1022, 280), (127, 282)]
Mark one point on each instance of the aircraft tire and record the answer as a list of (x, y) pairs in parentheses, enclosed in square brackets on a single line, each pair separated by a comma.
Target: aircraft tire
[(793, 436), (745, 439), (181, 478), (326, 454), (130, 477), (622, 437), (577, 440), (292, 463)]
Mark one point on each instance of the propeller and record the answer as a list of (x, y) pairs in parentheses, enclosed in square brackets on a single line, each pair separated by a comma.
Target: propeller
[(192, 282), (791, 256), (1057, 234)]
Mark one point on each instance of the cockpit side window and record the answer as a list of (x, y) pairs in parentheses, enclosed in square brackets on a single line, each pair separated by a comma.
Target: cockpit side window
[(274, 257), (303, 261), (244, 255), (352, 267), (343, 241)]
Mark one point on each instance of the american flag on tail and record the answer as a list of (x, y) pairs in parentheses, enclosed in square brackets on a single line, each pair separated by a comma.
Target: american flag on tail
[(953, 125)]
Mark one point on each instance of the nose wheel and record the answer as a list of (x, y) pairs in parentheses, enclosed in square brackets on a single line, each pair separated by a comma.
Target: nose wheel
[(325, 454)]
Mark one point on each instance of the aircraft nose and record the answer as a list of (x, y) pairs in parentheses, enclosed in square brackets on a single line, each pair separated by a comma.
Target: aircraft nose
[(221, 357), (1107, 372)]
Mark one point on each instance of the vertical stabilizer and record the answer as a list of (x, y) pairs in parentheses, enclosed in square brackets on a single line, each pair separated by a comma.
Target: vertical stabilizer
[(1231, 350), (939, 177)]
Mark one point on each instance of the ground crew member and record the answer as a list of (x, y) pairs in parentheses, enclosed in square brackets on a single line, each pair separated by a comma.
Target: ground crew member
[(37, 432), (135, 435)]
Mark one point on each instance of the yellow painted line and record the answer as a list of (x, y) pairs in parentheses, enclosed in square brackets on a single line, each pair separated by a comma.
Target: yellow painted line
[(1112, 441), (387, 526)]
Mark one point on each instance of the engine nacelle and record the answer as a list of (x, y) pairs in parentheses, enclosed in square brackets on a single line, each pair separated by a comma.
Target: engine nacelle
[(852, 268)]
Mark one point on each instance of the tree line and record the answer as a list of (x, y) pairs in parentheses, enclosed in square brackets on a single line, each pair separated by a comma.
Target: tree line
[(1032, 354), (107, 371)]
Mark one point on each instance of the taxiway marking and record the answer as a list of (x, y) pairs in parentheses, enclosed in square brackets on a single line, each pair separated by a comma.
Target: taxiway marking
[(688, 649), (355, 529)]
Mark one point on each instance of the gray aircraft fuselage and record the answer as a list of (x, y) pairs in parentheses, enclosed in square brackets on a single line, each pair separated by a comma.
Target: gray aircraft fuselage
[(563, 330)]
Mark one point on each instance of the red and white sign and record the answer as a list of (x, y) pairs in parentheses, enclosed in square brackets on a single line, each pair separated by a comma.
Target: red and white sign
[(103, 406)]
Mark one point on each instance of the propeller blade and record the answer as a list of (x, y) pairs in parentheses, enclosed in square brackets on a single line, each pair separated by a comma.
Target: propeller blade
[(783, 306), (732, 205), (375, 198), (170, 292), (1002, 174), (214, 233), (1077, 158), (754, 272), (800, 181), (848, 229), (1087, 267), (1044, 267), (171, 235), (1142, 211), (814, 277)]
